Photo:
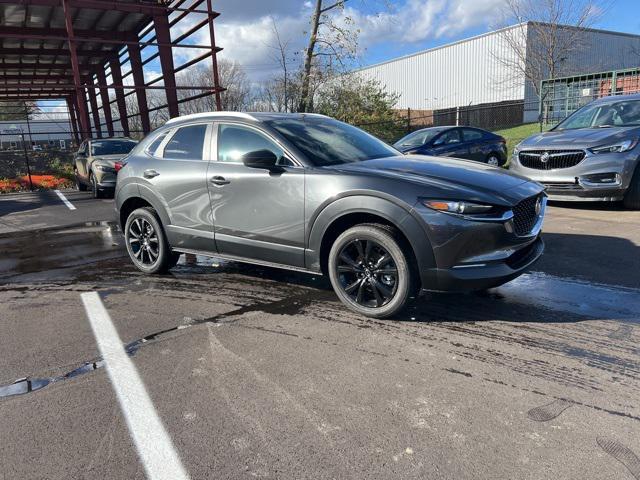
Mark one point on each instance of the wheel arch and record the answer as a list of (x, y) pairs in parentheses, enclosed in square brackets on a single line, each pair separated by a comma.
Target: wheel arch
[(138, 199), (357, 209)]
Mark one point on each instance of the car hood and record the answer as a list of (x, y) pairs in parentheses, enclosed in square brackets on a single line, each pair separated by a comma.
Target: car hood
[(580, 138), (459, 179)]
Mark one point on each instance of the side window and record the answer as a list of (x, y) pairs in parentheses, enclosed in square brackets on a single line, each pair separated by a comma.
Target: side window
[(153, 146), (449, 137), (470, 135), (186, 143), (234, 141)]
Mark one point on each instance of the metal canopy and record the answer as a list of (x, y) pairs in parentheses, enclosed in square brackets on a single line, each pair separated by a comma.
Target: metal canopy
[(66, 49)]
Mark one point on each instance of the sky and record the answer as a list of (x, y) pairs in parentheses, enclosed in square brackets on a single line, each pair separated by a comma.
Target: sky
[(387, 28)]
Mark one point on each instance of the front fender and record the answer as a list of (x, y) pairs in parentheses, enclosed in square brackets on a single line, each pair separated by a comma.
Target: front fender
[(404, 219)]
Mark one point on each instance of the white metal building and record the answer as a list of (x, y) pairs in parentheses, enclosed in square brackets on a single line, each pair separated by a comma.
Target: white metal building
[(474, 72), (45, 133)]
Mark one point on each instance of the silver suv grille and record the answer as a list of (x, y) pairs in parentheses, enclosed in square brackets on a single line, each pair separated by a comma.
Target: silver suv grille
[(550, 159), (526, 214)]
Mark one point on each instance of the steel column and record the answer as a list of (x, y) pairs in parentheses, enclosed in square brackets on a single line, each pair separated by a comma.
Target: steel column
[(138, 81), (94, 110), (116, 78), (161, 25), (104, 98), (76, 71), (214, 59), (72, 120)]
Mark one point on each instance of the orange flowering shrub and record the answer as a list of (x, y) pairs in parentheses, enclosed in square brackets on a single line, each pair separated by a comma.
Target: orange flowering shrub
[(40, 182)]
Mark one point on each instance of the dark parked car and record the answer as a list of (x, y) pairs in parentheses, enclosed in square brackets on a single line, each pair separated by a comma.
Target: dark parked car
[(591, 155), (95, 164), (459, 142), (308, 193)]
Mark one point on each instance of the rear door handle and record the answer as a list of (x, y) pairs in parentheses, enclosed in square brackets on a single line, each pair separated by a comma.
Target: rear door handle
[(218, 180), (150, 173)]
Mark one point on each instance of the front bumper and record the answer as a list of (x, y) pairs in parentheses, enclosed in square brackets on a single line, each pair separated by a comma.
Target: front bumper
[(471, 254), (581, 182)]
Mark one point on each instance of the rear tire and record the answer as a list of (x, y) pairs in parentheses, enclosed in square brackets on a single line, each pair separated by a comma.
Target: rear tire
[(94, 186), (493, 159), (79, 185), (147, 244), (632, 197), (371, 270)]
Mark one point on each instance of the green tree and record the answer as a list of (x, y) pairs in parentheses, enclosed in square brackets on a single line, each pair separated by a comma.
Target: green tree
[(362, 102)]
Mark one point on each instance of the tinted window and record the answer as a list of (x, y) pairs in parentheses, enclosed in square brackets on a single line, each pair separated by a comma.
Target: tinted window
[(623, 113), (234, 141), (325, 141), (111, 147), (470, 135), (186, 143), (153, 146), (419, 138), (447, 138)]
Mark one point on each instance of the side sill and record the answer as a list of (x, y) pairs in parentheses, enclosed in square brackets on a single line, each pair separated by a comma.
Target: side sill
[(251, 261)]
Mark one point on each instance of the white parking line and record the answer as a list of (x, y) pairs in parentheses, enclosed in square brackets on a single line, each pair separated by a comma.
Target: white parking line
[(155, 448), (64, 199)]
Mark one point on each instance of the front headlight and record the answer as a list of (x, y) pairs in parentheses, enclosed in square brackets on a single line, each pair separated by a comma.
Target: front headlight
[(516, 150), (616, 147), (458, 207), (104, 168)]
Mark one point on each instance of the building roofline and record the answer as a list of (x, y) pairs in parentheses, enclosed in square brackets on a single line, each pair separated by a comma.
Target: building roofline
[(486, 34)]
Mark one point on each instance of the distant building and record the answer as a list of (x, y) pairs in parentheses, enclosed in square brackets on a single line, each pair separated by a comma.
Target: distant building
[(41, 134), (472, 72)]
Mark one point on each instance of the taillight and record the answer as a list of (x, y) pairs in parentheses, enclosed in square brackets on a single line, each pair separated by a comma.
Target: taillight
[(118, 166), (502, 140)]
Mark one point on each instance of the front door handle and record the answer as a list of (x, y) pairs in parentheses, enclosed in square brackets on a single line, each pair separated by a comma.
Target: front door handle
[(218, 180), (150, 173)]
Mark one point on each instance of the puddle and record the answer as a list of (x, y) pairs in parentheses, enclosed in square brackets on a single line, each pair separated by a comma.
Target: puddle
[(604, 302)]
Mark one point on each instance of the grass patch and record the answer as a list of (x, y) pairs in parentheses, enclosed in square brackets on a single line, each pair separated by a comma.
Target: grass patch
[(515, 135)]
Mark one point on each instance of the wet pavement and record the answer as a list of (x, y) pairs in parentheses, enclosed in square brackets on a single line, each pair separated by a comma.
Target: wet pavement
[(257, 372)]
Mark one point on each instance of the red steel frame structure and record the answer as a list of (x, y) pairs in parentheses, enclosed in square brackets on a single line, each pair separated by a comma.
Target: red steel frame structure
[(65, 49)]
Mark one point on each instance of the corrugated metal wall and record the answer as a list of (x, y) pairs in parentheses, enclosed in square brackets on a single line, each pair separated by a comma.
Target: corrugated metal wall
[(464, 73), (473, 71)]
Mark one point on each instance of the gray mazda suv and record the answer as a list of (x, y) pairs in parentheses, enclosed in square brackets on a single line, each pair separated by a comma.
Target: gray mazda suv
[(312, 194), (591, 155)]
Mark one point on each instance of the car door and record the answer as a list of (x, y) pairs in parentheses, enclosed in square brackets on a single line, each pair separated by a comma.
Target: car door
[(257, 213), (475, 142), (174, 171), (449, 144)]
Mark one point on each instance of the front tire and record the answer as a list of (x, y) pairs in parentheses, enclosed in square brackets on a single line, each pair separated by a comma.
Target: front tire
[(79, 185), (370, 270), (146, 242), (632, 197), (493, 159), (94, 186)]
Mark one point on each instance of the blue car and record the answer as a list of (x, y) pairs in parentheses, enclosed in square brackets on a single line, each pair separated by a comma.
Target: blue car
[(459, 142)]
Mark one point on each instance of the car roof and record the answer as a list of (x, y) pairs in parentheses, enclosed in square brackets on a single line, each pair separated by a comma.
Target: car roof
[(255, 116)]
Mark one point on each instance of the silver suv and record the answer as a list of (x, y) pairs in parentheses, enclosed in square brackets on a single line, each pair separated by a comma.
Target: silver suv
[(591, 155)]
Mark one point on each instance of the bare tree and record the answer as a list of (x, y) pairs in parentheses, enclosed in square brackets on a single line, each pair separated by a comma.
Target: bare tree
[(282, 57), (331, 44), (548, 33)]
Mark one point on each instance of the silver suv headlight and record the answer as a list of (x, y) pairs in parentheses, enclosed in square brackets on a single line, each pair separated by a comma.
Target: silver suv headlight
[(616, 147)]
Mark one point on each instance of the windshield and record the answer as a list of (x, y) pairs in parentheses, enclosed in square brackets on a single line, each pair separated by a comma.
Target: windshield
[(419, 138), (326, 141), (623, 113), (112, 147)]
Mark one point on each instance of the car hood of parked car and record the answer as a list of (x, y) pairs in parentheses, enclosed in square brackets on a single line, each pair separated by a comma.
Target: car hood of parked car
[(109, 159), (580, 137), (462, 179)]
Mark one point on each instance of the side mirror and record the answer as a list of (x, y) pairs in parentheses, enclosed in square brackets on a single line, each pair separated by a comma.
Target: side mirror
[(260, 159)]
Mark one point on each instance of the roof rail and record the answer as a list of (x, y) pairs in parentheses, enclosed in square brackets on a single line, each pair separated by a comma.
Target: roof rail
[(208, 115)]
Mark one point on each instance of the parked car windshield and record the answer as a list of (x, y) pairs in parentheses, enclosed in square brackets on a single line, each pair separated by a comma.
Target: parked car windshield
[(623, 113), (325, 141), (112, 147), (419, 138)]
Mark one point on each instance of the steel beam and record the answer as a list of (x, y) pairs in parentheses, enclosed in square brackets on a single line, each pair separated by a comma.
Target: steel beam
[(94, 111), (138, 82), (116, 77), (104, 98), (161, 25), (83, 114), (214, 58), (72, 120)]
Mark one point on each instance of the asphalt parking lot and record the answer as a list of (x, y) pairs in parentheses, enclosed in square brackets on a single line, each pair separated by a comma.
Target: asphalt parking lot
[(255, 372)]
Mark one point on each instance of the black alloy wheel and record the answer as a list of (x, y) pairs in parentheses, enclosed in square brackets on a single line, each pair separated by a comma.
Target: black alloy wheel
[(367, 273), (144, 242), (371, 268)]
